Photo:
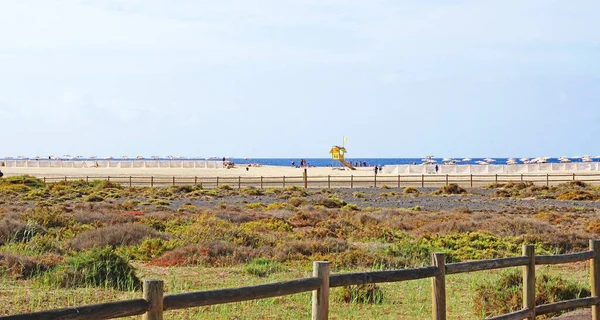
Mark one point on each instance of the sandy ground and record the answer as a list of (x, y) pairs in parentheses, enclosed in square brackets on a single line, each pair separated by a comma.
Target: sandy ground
[(266, 171)]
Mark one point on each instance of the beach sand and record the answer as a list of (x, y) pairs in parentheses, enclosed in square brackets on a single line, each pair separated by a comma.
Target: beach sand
[(266, 171)]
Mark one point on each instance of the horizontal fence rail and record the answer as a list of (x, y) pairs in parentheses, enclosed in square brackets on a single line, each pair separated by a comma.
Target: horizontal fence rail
[(154, 303), (306, 181)]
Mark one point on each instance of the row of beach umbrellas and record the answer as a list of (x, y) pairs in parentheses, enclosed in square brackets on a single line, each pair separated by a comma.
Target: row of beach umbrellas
[(563, 159), (70, 157)]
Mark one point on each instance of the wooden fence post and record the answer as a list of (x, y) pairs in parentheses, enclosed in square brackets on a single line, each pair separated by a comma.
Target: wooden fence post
[(438, 287), (573, 176), (398, 181), (375, 181), (195, 180), (239, 182), (44, 180), (422, 181), (217, 181), (320, 297), (529, 280), (547, 180), (305, 176), (595, 276), (329, 182), (173, 180), (351, 181), (108, 179), (130, 181), (87, 179), (496, 179), (521, 177), (261, 182), (153, 293), (446, 179), (65, 180), (152, 181), (471, 180), (283, 181)]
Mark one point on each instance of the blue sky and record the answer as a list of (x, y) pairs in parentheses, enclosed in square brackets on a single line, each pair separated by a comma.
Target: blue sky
[(262, 78)]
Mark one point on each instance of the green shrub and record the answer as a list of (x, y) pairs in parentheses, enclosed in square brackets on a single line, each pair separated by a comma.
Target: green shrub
[(385, 187), (410, 190), (255, 205), (94, 197), (130, 204), (49, 217), (363, 293), (225, 187), (359, 195), (251, 191), (452, 188), (578, 195), (330, 202), (262, 267), (505, 294), (98, 268), (415, 208), (350, 207), (160, 202)]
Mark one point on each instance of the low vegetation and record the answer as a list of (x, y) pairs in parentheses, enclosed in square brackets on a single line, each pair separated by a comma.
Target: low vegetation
[(103, 236)]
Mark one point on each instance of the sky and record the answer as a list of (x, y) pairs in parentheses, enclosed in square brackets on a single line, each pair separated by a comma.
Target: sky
[(272, 78)]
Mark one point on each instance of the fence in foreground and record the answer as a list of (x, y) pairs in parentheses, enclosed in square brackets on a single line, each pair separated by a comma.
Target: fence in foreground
[(154, 303), (305, 181)]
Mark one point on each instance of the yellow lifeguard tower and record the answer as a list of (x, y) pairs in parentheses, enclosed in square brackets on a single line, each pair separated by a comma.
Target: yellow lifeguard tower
[(337, 153)]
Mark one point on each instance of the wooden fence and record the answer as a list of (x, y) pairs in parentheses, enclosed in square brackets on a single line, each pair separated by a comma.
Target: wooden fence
[(154, 303), (306, 181)]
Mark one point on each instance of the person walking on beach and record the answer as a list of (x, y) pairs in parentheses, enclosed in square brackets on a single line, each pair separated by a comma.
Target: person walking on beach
[(1, 174), (436, 168), (375, 170)]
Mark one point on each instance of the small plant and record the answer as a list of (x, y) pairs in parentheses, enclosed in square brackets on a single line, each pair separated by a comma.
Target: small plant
[(330, 202), (97, 268), (415, 208), (359, 195), (225, 187), (410, 190), (452, 188), (255, 205), (364, 293), (350, 207), (262, 267), (505, 294), (577, 195), (385, 187), (94, 198)]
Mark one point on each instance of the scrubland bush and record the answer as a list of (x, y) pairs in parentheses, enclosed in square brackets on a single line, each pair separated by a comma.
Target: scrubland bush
[(20, 267), (262, 267), (578, 195), (115, 236), (211, 254), (363, 293), (505, 294), (410, 190), (99, 267), (49, 217), (452, 188), (330, 202)]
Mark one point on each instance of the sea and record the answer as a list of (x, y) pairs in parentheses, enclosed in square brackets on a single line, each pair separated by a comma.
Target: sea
[(316, 162)]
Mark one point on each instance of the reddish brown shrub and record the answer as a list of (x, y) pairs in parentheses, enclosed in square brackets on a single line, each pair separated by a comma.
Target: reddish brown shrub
[(214, 254), (115, 236)]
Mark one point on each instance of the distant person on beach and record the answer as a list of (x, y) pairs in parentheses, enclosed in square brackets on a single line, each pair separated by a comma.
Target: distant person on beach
[(375, 170), (293, 163), (1, 174), (436, 168)]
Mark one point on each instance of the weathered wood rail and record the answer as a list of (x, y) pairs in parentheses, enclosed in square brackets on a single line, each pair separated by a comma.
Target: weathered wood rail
[(307, 181), (155, 303)]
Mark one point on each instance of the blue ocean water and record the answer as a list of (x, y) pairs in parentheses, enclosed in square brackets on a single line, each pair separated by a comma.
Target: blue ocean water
[(320, 162), (327, 162)]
